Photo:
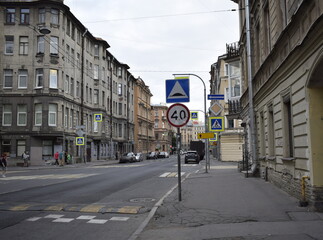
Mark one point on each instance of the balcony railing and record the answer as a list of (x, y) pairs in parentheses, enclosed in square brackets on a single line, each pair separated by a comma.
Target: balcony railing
[(233, 49), (234, 108)]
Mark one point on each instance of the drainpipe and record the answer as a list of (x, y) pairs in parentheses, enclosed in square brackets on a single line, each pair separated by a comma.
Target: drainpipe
[(303, 202)]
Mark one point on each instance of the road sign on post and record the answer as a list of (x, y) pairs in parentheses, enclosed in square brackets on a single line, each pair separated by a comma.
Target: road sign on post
[(178, 115), (216, 124), (205, 135), (177, 90)]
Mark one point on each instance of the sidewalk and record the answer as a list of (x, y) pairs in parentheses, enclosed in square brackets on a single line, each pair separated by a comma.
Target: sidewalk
[(223, 204)]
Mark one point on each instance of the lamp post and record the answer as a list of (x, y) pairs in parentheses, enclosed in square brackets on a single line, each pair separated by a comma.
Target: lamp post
[(205, 117)]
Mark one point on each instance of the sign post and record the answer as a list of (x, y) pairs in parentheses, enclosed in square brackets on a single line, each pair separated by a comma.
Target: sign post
[(178, 115)]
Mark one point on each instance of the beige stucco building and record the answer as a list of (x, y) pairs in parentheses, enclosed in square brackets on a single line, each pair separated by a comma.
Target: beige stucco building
[(287, 84), (226, 80), (144, 125), (162, 129)]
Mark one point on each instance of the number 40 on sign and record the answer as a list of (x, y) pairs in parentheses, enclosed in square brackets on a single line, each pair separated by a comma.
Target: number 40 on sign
[(178, 115)]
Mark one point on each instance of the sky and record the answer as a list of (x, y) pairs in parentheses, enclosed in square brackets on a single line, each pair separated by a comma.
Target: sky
[(159, 38)]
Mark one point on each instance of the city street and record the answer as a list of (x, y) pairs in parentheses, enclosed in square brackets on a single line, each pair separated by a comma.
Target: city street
[(84, 202)]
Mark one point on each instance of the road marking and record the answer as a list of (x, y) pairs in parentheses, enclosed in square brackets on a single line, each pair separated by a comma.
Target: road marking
[(54, 216), (85, 217), (90, 219), (120, 166), (49, 176), (165, 174), (119, 219), (171, 174), (63, 220), (33, 219), (97, 221)]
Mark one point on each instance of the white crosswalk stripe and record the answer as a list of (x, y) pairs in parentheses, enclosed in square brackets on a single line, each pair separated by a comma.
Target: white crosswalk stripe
[(170, 174)]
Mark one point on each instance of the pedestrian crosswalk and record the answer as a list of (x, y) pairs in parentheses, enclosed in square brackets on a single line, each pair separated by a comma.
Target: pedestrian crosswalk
[(60, 218), (171, 174)]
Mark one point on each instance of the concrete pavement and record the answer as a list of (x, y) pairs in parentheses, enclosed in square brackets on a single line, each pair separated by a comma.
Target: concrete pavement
[(223, 204)]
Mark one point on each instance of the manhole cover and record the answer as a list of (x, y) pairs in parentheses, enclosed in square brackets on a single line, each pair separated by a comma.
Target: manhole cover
[(143, 200)]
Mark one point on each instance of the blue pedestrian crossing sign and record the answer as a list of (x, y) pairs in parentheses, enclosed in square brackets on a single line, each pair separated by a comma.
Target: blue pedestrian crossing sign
[(216, 124), (98, 117), (177, 90), (79, 141), (194, 116)]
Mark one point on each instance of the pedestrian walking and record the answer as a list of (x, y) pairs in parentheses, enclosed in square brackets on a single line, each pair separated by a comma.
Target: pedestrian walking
[(69, 158), (56, 155), (3, 164), (25, 157), (61, 158)]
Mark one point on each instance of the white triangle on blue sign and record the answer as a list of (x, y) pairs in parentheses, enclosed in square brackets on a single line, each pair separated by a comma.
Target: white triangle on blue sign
[(177, 92)]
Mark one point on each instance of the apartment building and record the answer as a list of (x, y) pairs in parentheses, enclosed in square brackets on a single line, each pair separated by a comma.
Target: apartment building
[(162, 129), (55, 78), (226, 80), (144, 127), (287, 62)]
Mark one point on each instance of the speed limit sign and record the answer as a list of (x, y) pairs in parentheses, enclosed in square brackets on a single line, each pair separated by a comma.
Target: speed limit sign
[(178, 115)]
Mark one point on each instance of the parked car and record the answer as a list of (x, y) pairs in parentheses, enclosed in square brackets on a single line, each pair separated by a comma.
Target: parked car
[(192, 156), (163, 155), (152, 155), (139, 157), (127, 157)]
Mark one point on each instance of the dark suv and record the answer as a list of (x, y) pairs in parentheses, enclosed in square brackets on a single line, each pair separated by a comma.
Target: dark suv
[(192, 156)]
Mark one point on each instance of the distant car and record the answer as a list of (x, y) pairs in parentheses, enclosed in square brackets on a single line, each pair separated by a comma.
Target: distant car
[(139, 157), (163, 155), (152, 155), (127, 157), (192, 156)]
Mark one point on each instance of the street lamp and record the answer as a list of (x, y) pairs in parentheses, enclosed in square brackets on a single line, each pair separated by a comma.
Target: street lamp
[(205, 117)]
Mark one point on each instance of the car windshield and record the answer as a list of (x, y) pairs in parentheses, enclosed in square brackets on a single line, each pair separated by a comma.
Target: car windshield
[(191, 152), (129, 154)]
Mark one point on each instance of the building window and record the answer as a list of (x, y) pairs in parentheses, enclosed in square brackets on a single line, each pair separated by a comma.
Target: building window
[(47, 149), (23, 45), (54, 16), (288, 128), (41, 15), (21, 147), (53, 78), (38, 114), (267, 40), (22, 115), (8, 77), (119, 89), (71, 118), (7, 115), (96, 50), (52, 115), (103, 98), (66, 118), (72, 87), (39, 78), (78, 89), (120, 108), (53, 45), (9, 45), (24, 16), (120, 129), (40, 44), (22, 78), (96, 72), (66, 85), (262, 134), (271, 131), (10, 15), (96, 96)]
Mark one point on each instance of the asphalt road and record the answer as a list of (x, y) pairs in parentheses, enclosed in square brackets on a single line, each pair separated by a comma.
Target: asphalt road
[(88, 202)]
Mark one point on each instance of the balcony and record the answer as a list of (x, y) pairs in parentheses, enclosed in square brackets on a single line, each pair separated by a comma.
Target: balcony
[(233, 49), (234, 109)]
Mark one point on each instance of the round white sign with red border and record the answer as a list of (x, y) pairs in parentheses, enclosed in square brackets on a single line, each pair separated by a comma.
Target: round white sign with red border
[(178, 115)]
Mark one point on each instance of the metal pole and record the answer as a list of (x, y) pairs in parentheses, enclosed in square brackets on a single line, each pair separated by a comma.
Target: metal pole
[(250, 89), (205, 118), (179, 164)]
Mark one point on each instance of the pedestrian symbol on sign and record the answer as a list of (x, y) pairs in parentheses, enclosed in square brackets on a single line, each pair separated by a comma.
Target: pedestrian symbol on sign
[(79, 141), (98, 117), (216, 124)]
